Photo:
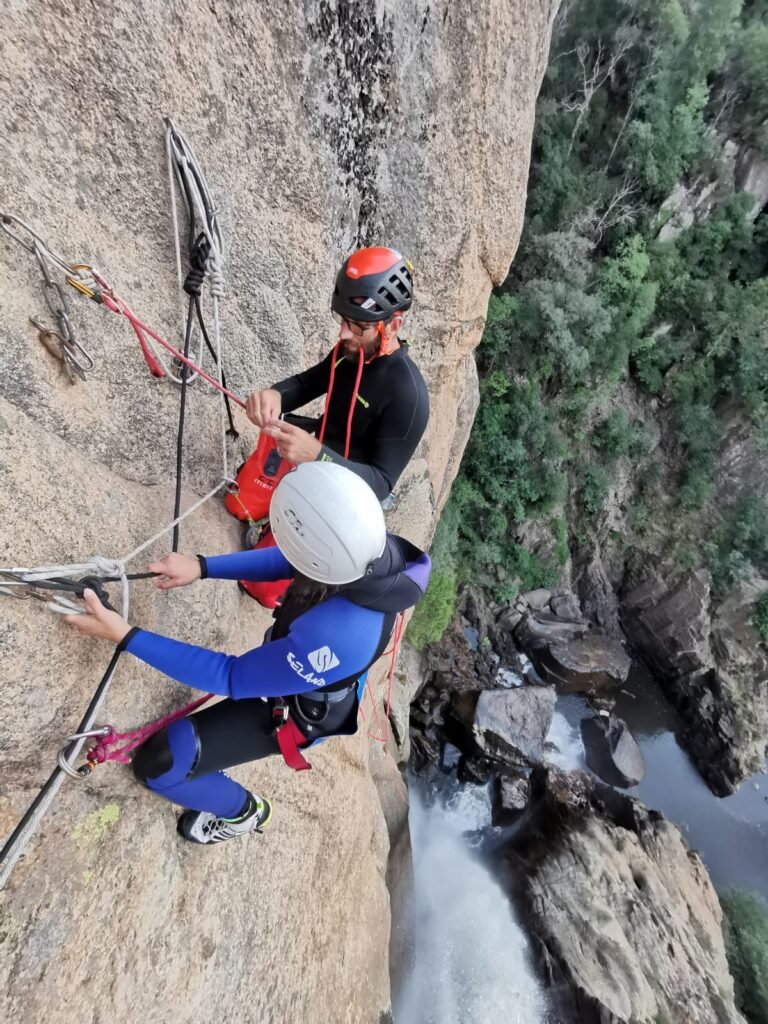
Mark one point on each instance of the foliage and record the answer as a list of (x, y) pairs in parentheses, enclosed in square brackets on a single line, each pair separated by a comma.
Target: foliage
[(739, 547), (433, 613), (760, 617), (636, 102), (745, 929)]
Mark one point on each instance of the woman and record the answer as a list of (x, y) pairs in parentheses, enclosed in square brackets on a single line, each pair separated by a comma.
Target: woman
[(351, 579)]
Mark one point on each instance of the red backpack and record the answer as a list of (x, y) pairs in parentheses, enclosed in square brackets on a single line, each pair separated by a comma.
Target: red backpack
[(255, 484)]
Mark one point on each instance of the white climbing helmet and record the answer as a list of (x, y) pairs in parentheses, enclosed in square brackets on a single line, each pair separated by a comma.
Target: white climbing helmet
[(327, 522)]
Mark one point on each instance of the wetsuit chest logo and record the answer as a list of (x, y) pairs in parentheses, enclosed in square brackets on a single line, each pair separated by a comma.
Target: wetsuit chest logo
[(321, 660)]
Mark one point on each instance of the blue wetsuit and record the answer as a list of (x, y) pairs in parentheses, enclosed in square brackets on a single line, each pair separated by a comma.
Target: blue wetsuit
[(319, 650)]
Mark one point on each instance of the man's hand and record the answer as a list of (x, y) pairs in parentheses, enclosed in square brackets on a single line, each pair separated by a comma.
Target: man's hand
[(99, 622), (293, 443), (175, 571), (263, 407)]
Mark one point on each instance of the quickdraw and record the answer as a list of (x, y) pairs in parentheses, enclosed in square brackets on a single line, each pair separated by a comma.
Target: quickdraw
[(60, 341)]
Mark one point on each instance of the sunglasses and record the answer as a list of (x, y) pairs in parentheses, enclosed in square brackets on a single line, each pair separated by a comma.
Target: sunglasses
[(356, 328)]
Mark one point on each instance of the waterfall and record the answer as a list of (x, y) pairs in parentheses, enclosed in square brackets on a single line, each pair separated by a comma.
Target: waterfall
[(471, 959)]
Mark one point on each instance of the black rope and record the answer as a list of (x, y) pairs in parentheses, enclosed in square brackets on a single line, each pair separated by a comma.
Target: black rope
[(180, 432), (105, 680), (231, 431)]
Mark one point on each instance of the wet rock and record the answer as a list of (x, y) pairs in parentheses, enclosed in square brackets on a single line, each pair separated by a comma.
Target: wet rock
[(627, 921), (599, 603), (713, 668), (566, 607), (587, 665), (612, 751), (537, 599), (474, 771), (510, 796), (669, 624), (507, 726)]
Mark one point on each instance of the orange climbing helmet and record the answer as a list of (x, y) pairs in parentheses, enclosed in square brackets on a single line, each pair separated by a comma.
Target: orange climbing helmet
[(372, 285)]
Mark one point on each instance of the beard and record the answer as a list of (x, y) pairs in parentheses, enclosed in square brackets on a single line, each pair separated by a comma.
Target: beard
[(369, 348)]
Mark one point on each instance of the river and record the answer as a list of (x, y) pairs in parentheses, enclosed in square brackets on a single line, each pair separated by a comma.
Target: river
[(730, 833)]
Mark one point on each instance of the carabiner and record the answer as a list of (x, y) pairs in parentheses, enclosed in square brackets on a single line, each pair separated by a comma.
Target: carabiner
[(85, 769)]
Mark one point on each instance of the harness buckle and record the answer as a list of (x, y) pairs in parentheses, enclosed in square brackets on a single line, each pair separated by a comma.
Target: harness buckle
[(279, 713)]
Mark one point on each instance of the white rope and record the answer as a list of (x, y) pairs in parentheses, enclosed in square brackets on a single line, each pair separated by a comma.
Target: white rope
[(184, 166)]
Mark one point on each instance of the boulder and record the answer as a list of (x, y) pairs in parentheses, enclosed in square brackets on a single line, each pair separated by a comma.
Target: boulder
[(612, 752), (541, 629), (506, 726), (510, 796), (566, 607), (586, 665), (537, 599), (628, 925)]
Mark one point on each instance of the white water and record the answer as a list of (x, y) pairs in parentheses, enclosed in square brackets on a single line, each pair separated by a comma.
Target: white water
[(564, 747), (471, 961)]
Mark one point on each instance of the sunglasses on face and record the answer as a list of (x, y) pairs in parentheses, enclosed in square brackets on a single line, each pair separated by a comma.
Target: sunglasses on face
[(353, 325)]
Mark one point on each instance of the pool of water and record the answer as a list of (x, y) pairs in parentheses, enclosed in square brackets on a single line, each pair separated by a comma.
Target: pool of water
[(730, 833)]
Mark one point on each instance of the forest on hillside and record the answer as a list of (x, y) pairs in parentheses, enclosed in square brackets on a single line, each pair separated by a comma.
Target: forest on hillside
[(631, 333)]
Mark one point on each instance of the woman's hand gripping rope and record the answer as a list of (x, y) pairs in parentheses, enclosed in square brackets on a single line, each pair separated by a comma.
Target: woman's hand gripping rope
[(98, 621), (174, 570)]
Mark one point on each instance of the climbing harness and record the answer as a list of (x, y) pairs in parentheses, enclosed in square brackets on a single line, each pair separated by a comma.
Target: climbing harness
[(60, 341), (257, 479)]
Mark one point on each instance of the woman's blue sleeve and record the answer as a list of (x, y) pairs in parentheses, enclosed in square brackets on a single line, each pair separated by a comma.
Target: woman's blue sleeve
[(260, 565), (332, 642)]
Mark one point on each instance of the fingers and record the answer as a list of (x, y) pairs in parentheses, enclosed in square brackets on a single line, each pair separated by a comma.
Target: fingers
[(263, 407), (93, 604)]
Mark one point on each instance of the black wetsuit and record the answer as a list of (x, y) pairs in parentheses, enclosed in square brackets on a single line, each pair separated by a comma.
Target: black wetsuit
[(390, 417)]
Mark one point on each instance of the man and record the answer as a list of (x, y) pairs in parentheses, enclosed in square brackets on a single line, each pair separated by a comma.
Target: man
[(350, 580), (377, 404)]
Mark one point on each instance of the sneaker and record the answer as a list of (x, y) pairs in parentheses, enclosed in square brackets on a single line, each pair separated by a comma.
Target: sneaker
[(204, 827)]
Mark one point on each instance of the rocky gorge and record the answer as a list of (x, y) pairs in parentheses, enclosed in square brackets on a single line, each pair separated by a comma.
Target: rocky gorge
[(626, 922), (319, 127)]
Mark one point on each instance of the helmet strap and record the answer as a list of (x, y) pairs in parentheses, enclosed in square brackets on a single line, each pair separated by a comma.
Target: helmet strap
[(383, 349)]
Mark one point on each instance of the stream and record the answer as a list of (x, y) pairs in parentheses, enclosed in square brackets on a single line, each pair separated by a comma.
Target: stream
[(730, 833)]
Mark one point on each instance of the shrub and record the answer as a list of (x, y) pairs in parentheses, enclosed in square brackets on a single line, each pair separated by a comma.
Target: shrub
[(745, 929), (760, 617), (434, 611)]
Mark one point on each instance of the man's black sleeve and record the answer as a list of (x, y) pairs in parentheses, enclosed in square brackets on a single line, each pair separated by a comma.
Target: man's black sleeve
[(399, 430), (303, 387)]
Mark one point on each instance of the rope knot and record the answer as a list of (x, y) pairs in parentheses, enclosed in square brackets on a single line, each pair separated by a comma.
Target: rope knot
[(198, 263), (216, 275)]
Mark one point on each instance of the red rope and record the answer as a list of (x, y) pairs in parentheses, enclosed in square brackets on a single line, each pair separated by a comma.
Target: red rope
[(117, 305), (331, 379), (353, 403), (107, 749), (384, 734)]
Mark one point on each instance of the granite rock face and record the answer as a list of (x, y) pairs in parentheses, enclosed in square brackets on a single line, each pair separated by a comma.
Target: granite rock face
[(712, 664), (320, 126), (627, 920)]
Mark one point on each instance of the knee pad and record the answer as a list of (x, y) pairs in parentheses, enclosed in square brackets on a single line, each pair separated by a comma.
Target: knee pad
[(169, 756)]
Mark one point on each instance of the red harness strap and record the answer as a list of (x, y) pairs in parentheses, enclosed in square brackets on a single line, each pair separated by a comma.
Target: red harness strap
[(289, 736)]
